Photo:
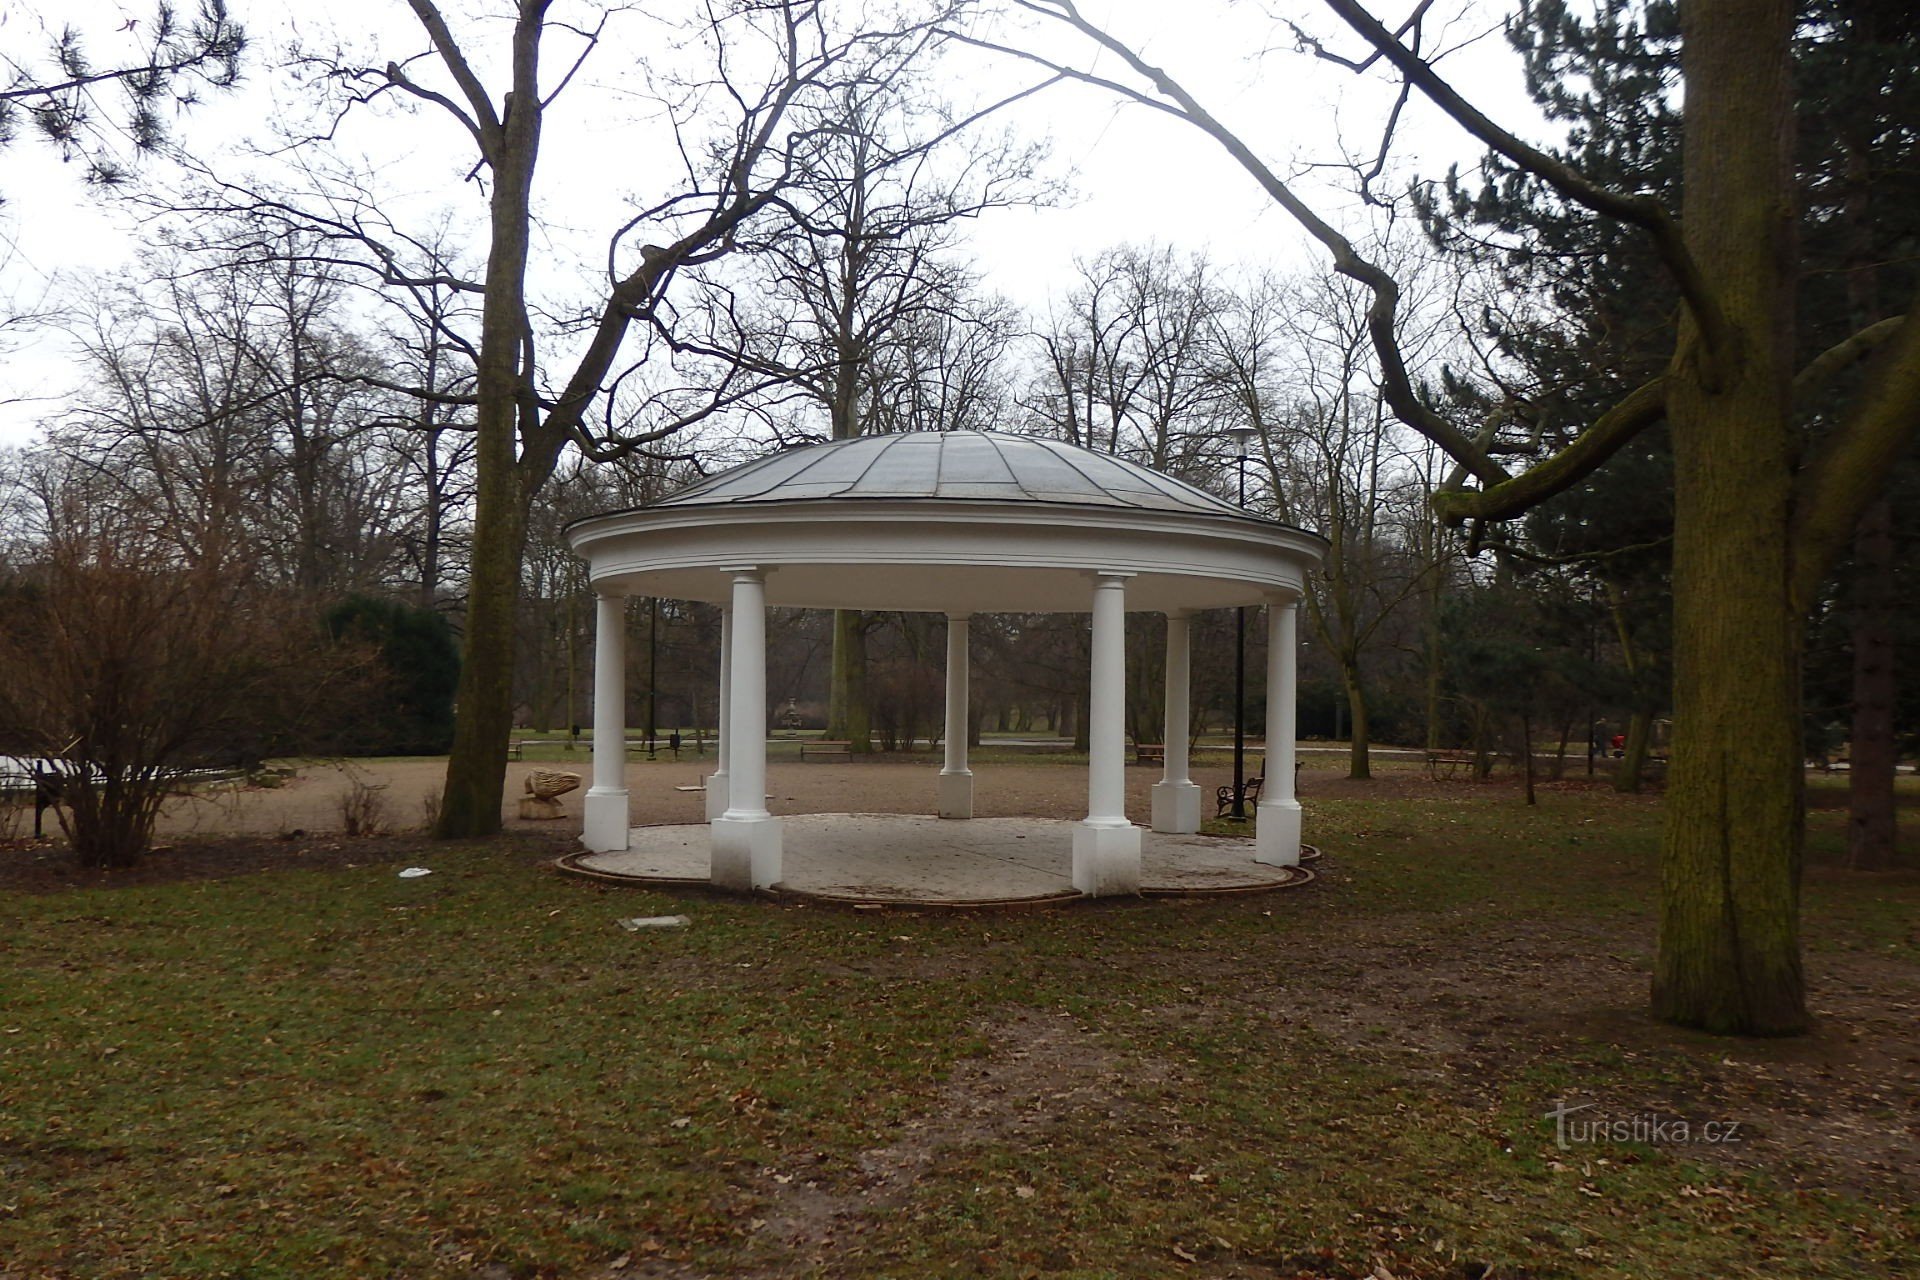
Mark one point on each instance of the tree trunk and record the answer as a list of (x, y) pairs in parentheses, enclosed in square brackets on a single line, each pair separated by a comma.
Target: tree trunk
[(849, 711), (1871, 819), (1729, 950), (1526, 753), (477, 767), (1359, 767), (1482, 743), (1633, 758)]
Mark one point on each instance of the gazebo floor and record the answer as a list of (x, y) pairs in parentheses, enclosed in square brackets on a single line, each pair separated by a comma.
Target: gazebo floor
[(891, 859)]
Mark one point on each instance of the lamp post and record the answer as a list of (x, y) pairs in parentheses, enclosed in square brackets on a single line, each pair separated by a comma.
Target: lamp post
[(1242, 436)]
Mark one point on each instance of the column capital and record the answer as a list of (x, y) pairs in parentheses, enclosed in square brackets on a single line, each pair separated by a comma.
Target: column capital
[(1111, 577), (1285, 597), (745, 572), (958, 617)]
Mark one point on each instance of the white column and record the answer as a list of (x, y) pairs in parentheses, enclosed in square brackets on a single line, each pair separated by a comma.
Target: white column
[(1276, 832), (606, 803), (1176, 799), (1106, 847), (956, 779), (745, 841), (717, 795)]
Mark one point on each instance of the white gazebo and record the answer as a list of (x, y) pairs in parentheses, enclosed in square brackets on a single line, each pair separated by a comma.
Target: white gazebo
[(956, 523)]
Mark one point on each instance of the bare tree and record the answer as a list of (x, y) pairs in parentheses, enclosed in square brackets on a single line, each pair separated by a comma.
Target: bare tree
[(738, 135), (233, 395), (1126, 362), (1298, 368), (863, 275)]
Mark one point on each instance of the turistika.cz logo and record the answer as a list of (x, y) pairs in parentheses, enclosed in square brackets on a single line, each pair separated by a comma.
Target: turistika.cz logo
[(1574, 1127)]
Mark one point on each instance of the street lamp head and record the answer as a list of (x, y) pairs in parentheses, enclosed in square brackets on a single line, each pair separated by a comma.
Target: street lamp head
[(1242, 439)]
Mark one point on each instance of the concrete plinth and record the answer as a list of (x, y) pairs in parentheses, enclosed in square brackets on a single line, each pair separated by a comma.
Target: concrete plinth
[(716, 796), (1176, 807), (956, 795), (1276, 833), (746, 852), (1106, 860), (607, 823)]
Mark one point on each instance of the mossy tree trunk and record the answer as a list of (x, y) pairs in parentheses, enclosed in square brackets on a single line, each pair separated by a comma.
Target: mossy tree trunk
[(1729, 949)]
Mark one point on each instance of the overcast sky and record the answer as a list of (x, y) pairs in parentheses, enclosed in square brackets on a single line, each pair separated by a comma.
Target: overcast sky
[(1135, 175)]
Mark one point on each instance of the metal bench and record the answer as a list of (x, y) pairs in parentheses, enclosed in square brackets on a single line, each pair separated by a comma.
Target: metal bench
[(1223, 796)]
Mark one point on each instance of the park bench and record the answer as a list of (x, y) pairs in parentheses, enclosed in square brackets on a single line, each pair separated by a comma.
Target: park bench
[(1445, 763), (827, 750), (1223, 796), (1149, 753)]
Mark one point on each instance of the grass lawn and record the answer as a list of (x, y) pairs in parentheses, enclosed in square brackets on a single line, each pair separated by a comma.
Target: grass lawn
[(326, 1070)]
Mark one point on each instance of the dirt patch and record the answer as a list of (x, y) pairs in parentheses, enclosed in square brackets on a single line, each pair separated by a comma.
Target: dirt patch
[(1841, 1104), (1042, 1069)]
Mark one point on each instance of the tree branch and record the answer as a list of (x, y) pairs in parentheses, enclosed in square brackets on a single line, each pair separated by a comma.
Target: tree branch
[(1641, 408), (1836, 484), (1381, 315), (485, 123), (1641, 211), (1841, 356)]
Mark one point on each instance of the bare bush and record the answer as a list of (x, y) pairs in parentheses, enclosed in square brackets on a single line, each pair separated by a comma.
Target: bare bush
[(363, 808), (430, 810), (137, 668)]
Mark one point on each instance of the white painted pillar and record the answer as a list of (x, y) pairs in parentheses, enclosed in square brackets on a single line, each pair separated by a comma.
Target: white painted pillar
[(1106, 847), (1176, 798), (606, 803), (956, 779), (717, 795), (1276, 832), (745, 839)]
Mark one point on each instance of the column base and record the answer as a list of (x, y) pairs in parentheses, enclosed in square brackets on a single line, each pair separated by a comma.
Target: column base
[(607, 822), (744, 851), (1276, 833), (1176, 807), (1106, 860), (956, 795), (716, 795)]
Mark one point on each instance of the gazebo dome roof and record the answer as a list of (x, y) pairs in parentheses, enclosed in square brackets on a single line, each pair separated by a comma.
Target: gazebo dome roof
[(965, 521), (980, 466)]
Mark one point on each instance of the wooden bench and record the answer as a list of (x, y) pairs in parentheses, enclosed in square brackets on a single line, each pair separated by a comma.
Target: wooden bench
[(827, 750), (1149, 753), (517, 749), (1444, 764)]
